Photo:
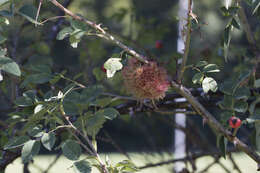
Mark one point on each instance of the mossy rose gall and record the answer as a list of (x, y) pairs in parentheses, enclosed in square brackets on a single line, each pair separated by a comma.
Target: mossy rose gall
[(145, 81)]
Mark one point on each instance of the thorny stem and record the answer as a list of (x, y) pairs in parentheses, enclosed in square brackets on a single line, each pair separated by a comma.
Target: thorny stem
[(103, 33), (187, 43), (92, 149), (179, 88), (210, 119)]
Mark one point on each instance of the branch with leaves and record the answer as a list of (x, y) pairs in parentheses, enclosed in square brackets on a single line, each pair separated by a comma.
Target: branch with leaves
[(209, 118)]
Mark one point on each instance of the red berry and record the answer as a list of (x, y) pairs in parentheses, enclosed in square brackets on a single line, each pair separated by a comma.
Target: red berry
[(103, 69), (234, 122), (158, 44)]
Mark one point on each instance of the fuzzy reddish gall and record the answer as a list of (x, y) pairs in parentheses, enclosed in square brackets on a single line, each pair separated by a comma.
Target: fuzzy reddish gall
[(234, 122), (145, 81)]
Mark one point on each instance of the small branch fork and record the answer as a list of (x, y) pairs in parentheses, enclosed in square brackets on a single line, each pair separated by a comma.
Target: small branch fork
[(210, 119), (91, 149)]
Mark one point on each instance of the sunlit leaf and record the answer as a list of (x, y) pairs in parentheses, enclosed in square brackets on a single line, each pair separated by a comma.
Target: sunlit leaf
[(198, 78), (48, 140), (9, 66), (209, 84), (29, 150), (112, 65)]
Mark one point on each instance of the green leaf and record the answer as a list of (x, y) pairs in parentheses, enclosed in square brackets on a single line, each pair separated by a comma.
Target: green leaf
[(82, 167), (233, 10), (110, 113), (94, 123), (211, 68), (235, 23), (103, 102), (31, 94), (29, 12), (209, 84), (71, 149), (39, 78), (35, 131), (222, 145), (198, 78), (78, 25), (256, 5), (29, 150), (227, 35), (228, 87), (89, 94), (242, 93), (201, 63), (48, 140), (38, 108), (74, 41), (253, 104), (112, 65), (243, 77), (224, 11), (127, 166), (23, 102), (64, 32), (227, 102), (254, 117), (9, 66), (241, 106), (16, 142)]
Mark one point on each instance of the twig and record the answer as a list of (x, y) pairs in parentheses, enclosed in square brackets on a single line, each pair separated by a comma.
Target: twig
[(193, 156), (52, 163), (246, 26), (92, 151), (103, 33), (175, 112), (234, 163), (187, 43), (210, 119), (52, 18), (38, 11)]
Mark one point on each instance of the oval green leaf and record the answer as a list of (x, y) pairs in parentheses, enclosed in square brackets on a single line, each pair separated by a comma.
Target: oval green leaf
[(71, 149), (82, 167), (30, 149), (48, 140)]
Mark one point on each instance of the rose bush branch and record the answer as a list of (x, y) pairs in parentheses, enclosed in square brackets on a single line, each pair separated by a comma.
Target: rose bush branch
[(179, 88), (91, 149), (210, 119), (102, 32)]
